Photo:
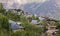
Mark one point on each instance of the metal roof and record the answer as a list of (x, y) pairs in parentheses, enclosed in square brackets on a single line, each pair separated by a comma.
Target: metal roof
[(35, 22), (14, 25)]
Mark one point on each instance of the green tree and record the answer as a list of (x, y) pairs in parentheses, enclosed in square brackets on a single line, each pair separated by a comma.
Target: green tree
[(12, 16), (4, 24), (58, 33), (1, 8), (58, 25)]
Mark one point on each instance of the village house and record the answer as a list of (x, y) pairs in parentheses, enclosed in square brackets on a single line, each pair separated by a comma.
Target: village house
[(35, 22), (15, 27), (51, 30), (27, 15), (15, 11), (41, 18), (19, 23), (35, 15), (18, 11)]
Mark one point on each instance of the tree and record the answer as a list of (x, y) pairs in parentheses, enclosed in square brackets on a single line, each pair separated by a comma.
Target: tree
[(1, 8), (58, 33), (58, 25), (12, 16), (4, 24)]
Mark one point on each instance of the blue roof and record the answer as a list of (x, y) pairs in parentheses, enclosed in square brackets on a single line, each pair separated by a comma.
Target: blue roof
[(14, 26)]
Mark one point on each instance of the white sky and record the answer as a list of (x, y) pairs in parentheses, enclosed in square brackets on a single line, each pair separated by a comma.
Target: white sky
[(22, 1)]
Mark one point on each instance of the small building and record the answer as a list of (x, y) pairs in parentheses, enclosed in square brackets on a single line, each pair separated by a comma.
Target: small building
[(14, 26), (41, 18), (6, 10), (16, 11), (19, 12), (35, 15), (35, 22), (19, 23), (52, 27), (52, 30), (27, 15)]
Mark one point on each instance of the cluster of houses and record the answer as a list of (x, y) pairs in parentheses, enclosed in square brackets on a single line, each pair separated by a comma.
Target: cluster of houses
[(17, 25)]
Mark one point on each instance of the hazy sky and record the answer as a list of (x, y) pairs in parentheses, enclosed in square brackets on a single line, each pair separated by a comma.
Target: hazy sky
[(22, 1)]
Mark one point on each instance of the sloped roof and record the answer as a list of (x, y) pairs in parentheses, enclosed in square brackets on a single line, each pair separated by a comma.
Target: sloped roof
[(41, 18), (14, 25), (35, 22)]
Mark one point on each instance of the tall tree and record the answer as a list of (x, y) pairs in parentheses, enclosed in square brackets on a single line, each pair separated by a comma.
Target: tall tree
[(1, 8)]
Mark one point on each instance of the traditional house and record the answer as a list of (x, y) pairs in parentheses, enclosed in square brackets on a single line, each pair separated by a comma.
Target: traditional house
[(14, 26), (18, 11), (35, 15), (19, 23), (41, 18), (35, 22), (51, 30), (6, 10), (15, 11), (27, 15)]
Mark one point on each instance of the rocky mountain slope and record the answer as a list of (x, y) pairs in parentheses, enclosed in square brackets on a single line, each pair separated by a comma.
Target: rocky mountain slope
[(50, 8)]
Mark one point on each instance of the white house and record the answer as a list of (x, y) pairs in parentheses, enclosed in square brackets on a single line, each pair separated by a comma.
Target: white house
[(35, 15), (19, 23), (19, 12), (35, 22), (41, 18)]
